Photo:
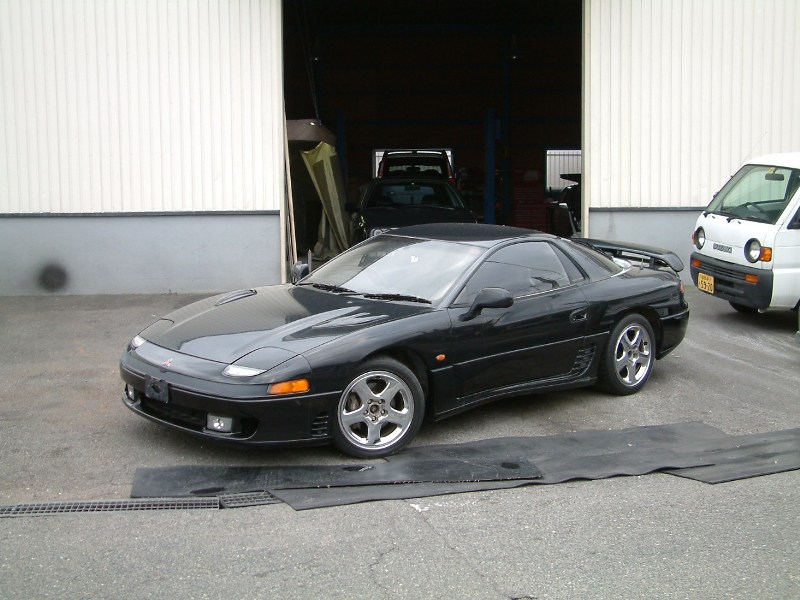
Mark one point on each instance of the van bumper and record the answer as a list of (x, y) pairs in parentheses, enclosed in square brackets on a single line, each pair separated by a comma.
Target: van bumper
[(729, 281)]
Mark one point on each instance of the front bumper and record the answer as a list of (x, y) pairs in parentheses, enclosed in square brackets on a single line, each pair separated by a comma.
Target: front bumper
[(186, 403), (730, 284)]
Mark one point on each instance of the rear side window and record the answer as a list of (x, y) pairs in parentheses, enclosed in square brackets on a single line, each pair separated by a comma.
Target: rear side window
[(595, 264), (523, 269)]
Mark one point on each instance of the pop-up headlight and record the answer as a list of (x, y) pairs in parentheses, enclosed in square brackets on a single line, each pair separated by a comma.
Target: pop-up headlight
[(239, 371)]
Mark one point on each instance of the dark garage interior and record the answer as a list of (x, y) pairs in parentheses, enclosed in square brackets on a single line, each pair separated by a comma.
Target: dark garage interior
[(498, 83)]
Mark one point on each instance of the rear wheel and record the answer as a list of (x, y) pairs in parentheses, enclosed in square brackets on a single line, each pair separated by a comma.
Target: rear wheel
[(748, 310), (380, 410), (629, 356)]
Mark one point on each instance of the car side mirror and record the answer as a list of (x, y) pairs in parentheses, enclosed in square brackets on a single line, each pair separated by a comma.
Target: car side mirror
[(488, 298), (299, 270)]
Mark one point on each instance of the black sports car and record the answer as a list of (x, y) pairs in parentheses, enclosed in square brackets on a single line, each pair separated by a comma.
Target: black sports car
[(430, 319)]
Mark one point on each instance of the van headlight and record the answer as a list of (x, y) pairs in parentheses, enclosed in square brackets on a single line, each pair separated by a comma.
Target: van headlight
[(752, 250), (699, 238)]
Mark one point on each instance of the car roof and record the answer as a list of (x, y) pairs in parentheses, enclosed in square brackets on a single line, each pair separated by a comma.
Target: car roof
[(785, 159), (477, 233)]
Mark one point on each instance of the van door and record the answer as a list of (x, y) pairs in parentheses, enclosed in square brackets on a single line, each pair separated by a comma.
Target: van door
[(786, 263)]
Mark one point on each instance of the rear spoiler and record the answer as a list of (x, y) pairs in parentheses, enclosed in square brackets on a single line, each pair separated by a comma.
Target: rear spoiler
[(656, 257)]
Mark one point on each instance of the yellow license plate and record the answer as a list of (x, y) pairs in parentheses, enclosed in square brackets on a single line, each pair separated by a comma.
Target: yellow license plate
[(705, 283)]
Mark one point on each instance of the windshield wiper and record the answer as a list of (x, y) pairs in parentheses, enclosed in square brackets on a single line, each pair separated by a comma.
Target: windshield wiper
[(330, 288), (398, 297)]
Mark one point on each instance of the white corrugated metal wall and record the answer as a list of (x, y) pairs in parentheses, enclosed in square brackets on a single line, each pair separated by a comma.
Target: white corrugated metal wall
[(677, 93), (138, 106)]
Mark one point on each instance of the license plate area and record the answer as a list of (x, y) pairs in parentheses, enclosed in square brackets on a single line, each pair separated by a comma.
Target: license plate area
[(705, 283), (156, 389)]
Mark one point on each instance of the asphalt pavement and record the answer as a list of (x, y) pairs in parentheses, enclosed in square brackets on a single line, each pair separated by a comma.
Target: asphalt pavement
[(65, 436)]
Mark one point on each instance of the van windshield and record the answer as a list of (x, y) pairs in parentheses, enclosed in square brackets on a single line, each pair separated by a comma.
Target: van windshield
[(756, 193)]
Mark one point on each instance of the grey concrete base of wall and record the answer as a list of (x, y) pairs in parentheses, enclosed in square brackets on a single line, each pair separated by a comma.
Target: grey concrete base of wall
[(669, 229), (138, 254)]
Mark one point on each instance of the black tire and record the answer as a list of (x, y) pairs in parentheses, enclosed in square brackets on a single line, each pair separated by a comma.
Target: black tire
[(747, 310), (380, 410), (629, 356)]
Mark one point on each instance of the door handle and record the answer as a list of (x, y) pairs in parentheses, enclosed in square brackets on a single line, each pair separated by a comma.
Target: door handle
[(577, 316)]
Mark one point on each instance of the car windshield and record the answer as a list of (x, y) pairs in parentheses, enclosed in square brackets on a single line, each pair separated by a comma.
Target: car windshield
[(756, 193), (412, 195), (389, 266)]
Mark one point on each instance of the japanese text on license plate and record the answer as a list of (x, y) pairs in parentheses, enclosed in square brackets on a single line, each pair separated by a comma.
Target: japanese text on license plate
[(705, 283)]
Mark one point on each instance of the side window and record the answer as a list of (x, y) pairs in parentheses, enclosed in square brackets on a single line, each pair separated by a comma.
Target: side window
[(523, 269)]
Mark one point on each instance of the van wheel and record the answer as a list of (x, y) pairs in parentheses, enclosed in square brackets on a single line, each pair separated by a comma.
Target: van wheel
[(747, 310)]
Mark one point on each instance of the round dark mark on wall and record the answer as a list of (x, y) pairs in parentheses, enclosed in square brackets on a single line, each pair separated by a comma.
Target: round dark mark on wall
[(52, 277)]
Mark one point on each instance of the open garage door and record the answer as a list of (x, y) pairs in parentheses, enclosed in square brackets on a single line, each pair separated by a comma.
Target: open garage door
[(498, 82)]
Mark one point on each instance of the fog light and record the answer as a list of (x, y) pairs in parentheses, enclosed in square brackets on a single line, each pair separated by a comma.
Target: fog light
[(130, 393), (219, 424)]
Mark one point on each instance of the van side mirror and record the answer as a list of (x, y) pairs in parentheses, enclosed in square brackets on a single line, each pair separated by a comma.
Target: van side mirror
[(488, 298)]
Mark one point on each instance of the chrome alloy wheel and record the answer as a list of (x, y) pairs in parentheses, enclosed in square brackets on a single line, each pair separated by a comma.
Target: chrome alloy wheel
[(376, 410), (633, 355)]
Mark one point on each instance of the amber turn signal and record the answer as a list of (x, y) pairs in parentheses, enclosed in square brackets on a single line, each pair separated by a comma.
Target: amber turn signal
[(296, 386)]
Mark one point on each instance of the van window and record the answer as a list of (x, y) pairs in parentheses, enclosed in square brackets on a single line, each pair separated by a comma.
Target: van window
[(757, 193)]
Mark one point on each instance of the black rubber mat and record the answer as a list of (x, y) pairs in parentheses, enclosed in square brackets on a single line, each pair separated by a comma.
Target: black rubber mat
[(692, 450), (593, 454), (195, 480), (748, 456)]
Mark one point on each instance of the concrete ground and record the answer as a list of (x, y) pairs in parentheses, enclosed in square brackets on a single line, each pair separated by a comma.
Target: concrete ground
[(65, 435)]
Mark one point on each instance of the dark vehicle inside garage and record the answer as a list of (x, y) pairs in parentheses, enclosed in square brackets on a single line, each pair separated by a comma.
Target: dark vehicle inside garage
[(498, 83)]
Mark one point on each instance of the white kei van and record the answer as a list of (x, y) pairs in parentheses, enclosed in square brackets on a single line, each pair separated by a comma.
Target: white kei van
[(747, 241)]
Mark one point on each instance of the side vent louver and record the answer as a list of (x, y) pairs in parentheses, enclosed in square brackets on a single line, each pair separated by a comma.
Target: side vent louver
[(583, 359), (319, 426)]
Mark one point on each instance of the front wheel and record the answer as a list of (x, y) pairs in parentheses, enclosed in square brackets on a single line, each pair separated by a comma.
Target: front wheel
[(629, 356), (380, 410)]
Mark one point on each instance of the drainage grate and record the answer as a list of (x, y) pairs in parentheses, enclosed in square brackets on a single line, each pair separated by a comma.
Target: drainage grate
[(49, 508), (247, 499)]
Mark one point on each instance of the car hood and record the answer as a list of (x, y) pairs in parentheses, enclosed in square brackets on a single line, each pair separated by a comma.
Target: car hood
[(290, 319), (414, 215)]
